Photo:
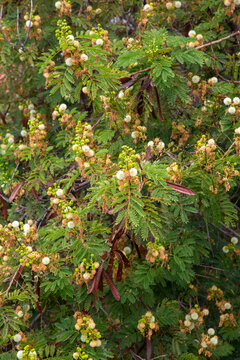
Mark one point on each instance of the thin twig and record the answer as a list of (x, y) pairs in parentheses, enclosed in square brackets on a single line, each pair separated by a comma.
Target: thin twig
[(18, 29), (29, 27), (218, 41)]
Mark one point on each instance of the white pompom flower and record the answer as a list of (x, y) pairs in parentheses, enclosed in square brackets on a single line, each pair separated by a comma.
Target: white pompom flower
[(20, 354), (29, 23), (194, 316), (133, 135), (68, 62), (70, 38), (84, 90), (192, 33), (20, 314), (127, 118), (214, 340), (62, 107), (59, 192), (169, 5), (225, 249), (147, 7), (236, 100), (237, 131), (127, 250), (83, 338), (17, 338), (120, 175), (204, 344), (46, 260), (211, 331), (227, 306), (231, 110), (70, 224), (58, 4), (15, 224), (85, 148), (99, 42), (26, 228), (211, 142), (227, 101), (75, 355), (23, 133), (84, 57), (133, 172), (150, 143), (195, 79), (121, 94), (178, 4), (41, 127), (234, 240)]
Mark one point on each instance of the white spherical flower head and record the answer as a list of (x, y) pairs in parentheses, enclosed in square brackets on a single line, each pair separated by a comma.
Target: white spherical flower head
[(71, 225), (161, 145), (188, 317), (75, 147), (234, 240), (133, 135), (195, 79), (151, 143), (29, 249), (147, 7), (227, 306), (29, 23), (32, 353), (127, 118), (84, 57), (192, 33), (99, 42), (41, 127), (236, 100), (15, 224), (204, 344), (214, 340), (214, 80), (30, 107), (231, 110), (227, 2), (70, 38), (211, 142), (187, 323), (194, 316), (17, 338), (85, 148), (169, 5), (59, 192), (121, 94), (120, 175), (46, 260), (211, 331), (20, 354), (62, 107), (127, 250), (227, 101), (10, 140), (133, 172), (58, 4), (237, 131), (237, 2), (20, 314), (23, 133), (75, 355), (68, 62), (84, 90), (225, 249), (178, 4), (83, 338), (91, 153)]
